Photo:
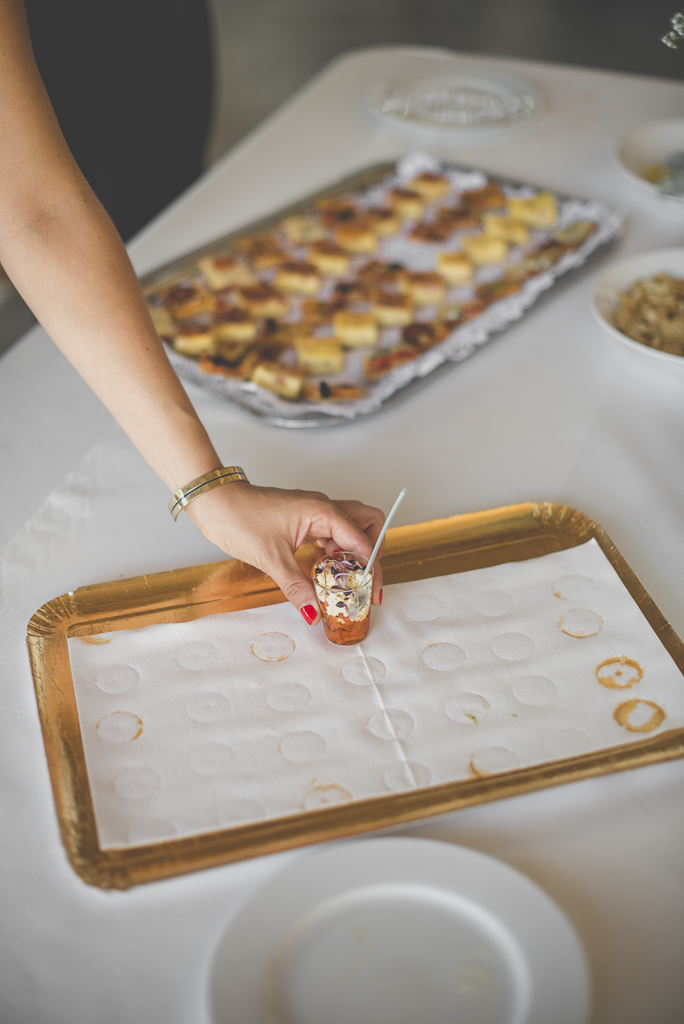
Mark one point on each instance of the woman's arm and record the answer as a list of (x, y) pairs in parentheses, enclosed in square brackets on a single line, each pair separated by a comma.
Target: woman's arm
[(66, 259)]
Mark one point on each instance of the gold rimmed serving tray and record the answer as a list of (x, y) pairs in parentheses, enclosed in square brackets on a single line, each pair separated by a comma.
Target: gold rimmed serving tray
[(423, 550)]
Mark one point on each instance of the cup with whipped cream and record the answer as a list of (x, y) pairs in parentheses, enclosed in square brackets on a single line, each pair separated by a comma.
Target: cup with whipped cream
[(344, 602)]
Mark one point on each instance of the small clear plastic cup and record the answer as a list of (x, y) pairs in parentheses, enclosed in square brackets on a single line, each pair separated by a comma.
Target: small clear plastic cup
[(345, 604)]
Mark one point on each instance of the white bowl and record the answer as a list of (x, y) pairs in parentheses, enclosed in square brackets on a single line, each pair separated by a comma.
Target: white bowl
[(651, 143), (619, 277)]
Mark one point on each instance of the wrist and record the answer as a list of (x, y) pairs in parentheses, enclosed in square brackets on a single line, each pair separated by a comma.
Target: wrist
[(205, 484)]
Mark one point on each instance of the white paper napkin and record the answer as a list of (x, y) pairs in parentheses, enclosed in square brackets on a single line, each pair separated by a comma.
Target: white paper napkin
[(235, 717)]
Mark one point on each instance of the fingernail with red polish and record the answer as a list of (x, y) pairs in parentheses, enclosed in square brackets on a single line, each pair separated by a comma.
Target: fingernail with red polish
[(309, 613), (380, 597)]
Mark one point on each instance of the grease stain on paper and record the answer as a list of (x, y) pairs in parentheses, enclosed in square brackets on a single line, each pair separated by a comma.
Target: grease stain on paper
[(273, 647), (639, 715), (619, 673)]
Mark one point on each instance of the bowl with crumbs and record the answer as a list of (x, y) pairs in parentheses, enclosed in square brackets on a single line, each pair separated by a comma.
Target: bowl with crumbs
[(640, 301), (652, 156)]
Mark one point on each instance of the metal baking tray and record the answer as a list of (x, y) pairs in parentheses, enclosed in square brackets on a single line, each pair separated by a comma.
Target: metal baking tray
[(443, 546), (410, 377)]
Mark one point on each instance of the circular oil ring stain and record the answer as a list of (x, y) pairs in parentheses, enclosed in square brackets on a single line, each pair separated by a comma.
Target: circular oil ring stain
[(364, 671), (466, 708), (580, 623), (423, 608), (197, 655), (619, 673), (513, 646), (444, 657), (535, 690), (208, 707), (117, 679), (639, 715), (490, 760), (301, 747), (273, 647), (324, 794), (119, 727), (390, 724)]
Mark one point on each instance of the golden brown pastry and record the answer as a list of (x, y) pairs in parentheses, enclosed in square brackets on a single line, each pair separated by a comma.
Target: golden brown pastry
[(455, 267), (537, 262), (453, 219), (337, 211), (221, 272), (355, 330), (408, 204), (511, 229), (262, 301), (234, 325), (423, 288), (231, 360), (461, 312), (163, 322), (432, 232), (316, 313), (281, 379), (430, 186), (424, 335), (483, 249), (321, 391), (193, 339), (356, 237), (347, 292), (188, 299), (329, 259), (379, 364), (491, 197), (392, 310), (384, 220), (540, 211), (575, 234), (321, 356), (263, 251), (302, 230), (492, 291), (378, 273), (297, 278)]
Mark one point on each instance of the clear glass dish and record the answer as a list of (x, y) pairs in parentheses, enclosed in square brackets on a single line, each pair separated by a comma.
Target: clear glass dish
[(464, 104)]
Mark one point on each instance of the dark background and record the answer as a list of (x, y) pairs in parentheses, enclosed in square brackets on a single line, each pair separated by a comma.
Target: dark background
[(149, 91), (271, 47)]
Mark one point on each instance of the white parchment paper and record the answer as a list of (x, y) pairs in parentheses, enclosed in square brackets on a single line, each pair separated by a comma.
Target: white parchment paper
[(235, 717)]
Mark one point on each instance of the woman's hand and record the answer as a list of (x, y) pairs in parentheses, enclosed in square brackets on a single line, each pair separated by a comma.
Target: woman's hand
[(264, 526)]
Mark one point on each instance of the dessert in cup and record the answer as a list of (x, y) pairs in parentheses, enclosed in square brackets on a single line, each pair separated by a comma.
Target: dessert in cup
[(345, 601)]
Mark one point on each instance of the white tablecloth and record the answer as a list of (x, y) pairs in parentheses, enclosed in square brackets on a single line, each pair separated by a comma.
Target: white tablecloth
[(551, 410)]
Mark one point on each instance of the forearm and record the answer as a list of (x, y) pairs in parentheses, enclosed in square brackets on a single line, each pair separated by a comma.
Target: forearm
[(63, 254), (73, 271)]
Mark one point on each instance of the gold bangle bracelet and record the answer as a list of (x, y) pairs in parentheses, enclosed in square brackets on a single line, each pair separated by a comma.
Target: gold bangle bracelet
[(217, 477)]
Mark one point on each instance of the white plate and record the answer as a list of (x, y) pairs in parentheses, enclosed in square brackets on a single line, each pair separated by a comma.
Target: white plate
[(618, 278), (467, 104), (399, 931), (651, 143)]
